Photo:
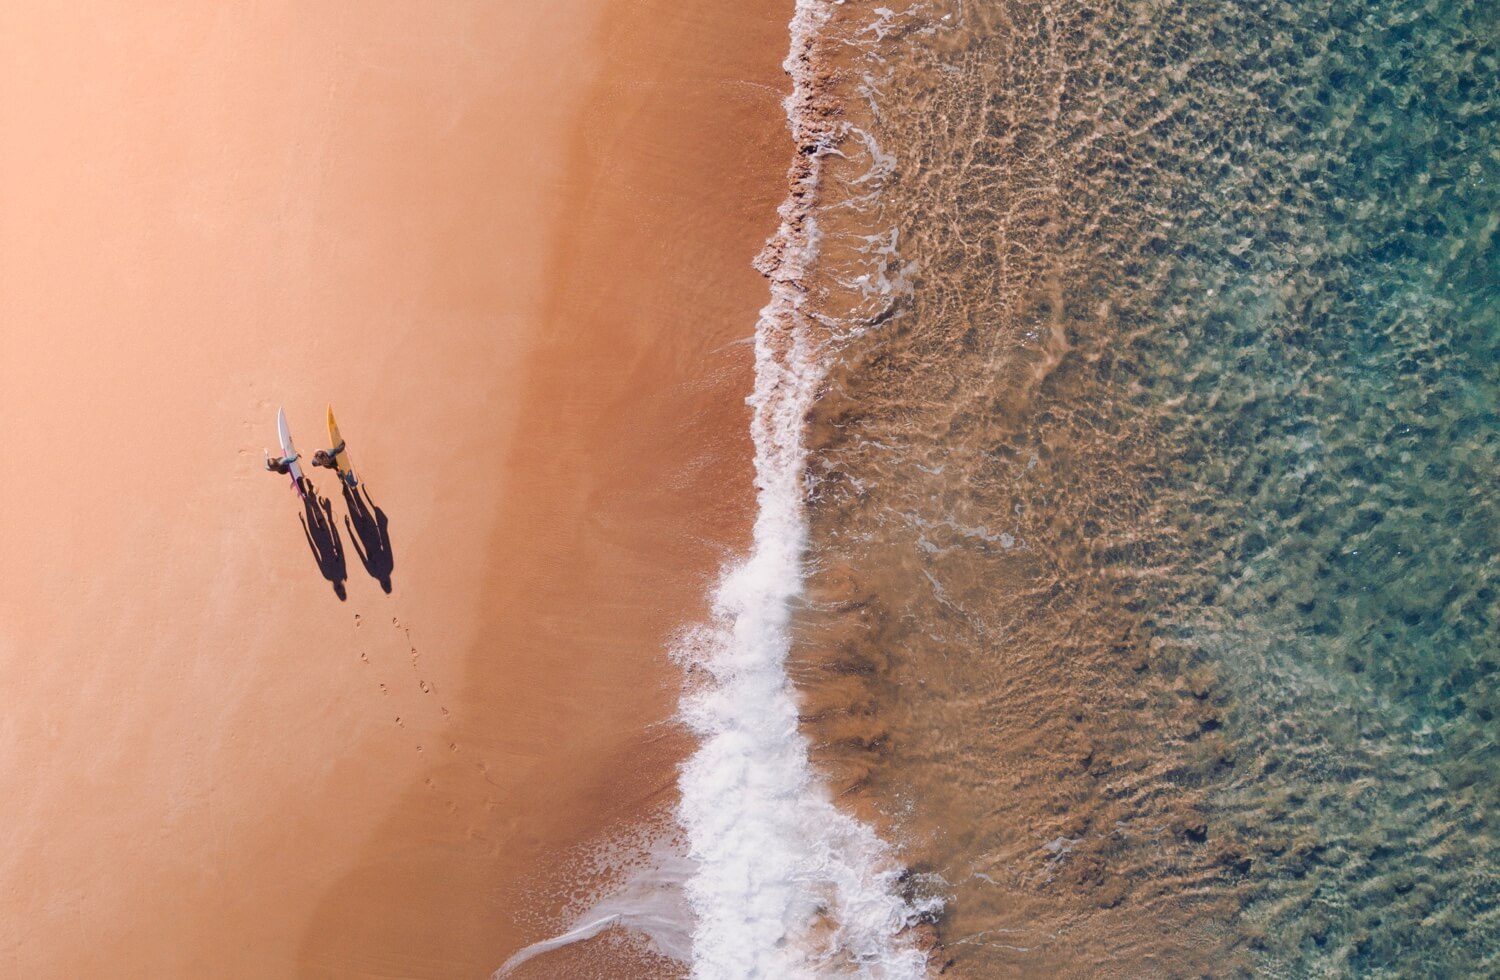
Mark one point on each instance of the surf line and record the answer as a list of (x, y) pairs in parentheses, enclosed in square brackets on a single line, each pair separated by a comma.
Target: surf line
[(784, 884), (780, 884)]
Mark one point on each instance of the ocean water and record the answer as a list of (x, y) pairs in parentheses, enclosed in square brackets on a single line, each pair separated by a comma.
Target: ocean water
[(1154, 479)]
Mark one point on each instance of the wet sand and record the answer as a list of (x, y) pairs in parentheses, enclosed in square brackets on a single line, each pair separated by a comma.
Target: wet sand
[(511, 245)]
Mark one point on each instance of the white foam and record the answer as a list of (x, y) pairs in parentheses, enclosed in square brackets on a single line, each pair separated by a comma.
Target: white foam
[(785, 884)]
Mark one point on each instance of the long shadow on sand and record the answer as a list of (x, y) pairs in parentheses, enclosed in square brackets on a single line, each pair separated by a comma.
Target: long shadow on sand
[(323, 538), (370, 532)]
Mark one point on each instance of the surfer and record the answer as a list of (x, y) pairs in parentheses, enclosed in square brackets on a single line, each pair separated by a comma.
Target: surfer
[(281, 464), (328, 458)]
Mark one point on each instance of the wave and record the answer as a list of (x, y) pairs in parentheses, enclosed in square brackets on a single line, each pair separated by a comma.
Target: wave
[(779, 881), (786, 883)]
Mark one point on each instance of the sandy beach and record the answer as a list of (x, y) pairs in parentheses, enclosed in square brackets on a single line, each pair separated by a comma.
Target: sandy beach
[(511, 244)]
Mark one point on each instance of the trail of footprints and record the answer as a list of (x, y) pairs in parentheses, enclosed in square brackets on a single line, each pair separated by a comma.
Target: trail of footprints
[(425, 687)]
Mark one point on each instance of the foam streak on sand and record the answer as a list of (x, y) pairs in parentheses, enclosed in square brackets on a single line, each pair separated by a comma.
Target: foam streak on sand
[(785, 884)]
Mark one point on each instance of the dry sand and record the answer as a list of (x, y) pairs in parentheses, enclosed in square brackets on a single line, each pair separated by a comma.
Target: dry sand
[(510, 242)]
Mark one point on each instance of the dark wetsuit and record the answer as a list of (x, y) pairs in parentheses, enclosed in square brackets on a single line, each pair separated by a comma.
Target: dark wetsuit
[(281, 464), (328, 458)]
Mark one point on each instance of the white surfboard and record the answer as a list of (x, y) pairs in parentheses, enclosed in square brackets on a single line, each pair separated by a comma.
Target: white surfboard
[(287, 449)]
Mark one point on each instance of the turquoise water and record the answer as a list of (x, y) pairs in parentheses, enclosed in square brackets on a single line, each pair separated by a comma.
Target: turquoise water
[(1338, 479), (1166, 472)]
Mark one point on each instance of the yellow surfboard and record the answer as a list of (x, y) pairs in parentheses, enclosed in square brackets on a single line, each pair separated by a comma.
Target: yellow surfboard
[(346, 469)]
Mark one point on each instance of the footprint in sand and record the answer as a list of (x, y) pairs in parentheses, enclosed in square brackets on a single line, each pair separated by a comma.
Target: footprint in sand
[(399, 722), (426, 687), (383, 690), (447, 715), (364, 657), (356, 621)]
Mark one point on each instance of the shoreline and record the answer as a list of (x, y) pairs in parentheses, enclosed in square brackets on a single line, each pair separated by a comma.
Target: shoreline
[(786, 881)]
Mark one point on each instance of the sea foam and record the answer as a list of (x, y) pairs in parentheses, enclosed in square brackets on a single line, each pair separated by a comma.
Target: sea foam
[(785, 884)]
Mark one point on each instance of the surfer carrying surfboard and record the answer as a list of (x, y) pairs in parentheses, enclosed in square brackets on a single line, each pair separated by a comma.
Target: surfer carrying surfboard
[(336, 458), (286, 463)]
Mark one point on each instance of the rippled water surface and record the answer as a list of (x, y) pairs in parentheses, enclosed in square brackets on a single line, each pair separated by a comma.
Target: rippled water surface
[(1156, 496)]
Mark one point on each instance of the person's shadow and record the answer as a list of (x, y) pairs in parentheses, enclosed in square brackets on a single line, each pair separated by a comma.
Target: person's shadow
[(323, 538), (370, 531)]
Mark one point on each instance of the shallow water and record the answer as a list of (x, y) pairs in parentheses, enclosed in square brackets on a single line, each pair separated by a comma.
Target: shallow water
[(1153, 589)]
